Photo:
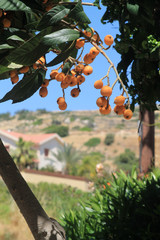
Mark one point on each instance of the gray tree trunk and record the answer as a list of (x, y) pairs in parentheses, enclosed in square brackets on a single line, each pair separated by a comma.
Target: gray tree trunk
[(147, 144), (41, 225)]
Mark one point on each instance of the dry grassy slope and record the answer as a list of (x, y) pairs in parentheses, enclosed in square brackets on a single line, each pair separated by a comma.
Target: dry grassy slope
[(125, 131)]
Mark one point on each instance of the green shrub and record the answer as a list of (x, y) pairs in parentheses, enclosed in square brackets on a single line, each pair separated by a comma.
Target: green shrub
[(127, 209), (5, 116), (126, 160), (87, 129), (25, 114), (109, 139), (120, 125), (38, 122), (62, 131), (92, 142)]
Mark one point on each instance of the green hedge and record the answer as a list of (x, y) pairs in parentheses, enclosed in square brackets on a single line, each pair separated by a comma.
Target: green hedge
[(62, 131)]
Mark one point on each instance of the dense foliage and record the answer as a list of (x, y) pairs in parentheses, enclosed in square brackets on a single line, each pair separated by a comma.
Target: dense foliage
[(109, 139), (139, 46), (125, 208)]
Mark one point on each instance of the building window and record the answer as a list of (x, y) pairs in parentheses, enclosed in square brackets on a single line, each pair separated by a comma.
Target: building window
[(46, 152), (7, 147)]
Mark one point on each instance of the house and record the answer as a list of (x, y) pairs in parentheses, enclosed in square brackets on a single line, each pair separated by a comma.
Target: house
[(44, 144)]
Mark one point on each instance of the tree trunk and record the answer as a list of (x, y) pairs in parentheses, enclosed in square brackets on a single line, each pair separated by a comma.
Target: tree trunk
[(41, 226), (147, 143)]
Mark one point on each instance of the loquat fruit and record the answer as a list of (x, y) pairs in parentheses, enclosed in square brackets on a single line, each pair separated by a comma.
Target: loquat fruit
[(75, 92), (128, 114), (119, 110), (105, 110), (108, 40), (94, 51), (73, 82), (61, 100), (60, 77), (24, 69), (35, 66), (15, 79), (64, 84), (80, 79), (79, 68), (41, 60), (6, 23), (106, 91), (87, 70), (53, 74), (45, 83), (101, 102), (87, 33), (68, 78), (63, 106), (98, 84), (79, 43), (88, 58), (96, 38), (73, 72), (43, 91), (119, 100), (13, 73)]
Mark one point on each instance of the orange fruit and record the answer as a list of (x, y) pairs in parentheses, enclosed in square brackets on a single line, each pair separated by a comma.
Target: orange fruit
[(53, 74), (79, 68), (128, 114), (63, 106), (35, 66), (64, 84), (6, 23), (45, 83), (106, 91), (75, 92), (15, 79), (73, 72), (80, 79), (24, 69), (119, 110), (79, 43), (101, 102), (96, 38), (98, 84), (43, 91), (94, 51), (88, 58), (108, 40), (60, 77), (73, 82), (13, 73), (87, 70), (105, 110), (68, 78), (61, 100), (119, 100), (87, 33)]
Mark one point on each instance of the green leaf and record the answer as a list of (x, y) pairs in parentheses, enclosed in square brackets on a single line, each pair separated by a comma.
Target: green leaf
[(133, 8), (26, 87), (5, 46), (78, 14), (31, 50), (14, 5), (61, 36), (62, 56), (4, 69), (53, 16)]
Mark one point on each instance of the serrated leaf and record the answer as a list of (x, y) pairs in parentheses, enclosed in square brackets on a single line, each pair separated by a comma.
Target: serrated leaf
[(62, 56), (26, 87), (78, 14), (4, 69), (61, 36), (53, 16), (14, 5), (31, 50), (133, 8)]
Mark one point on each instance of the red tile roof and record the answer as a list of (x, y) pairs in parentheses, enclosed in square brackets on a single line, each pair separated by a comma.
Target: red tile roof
[(35, 138)]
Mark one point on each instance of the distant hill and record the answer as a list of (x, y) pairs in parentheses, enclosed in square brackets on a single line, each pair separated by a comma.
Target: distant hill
[(83, 125)]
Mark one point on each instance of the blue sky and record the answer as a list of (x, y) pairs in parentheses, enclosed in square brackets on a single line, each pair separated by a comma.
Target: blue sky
[(88, 95)]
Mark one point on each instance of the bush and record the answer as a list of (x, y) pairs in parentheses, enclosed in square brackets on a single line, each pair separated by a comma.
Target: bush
[(126, 160), (5, 116), (87, 129), (38, 122), (109, 139), (62, 131), (126, 208), (25, 114), (92, 142)]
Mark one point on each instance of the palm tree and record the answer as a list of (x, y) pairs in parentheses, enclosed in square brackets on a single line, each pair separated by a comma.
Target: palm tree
[(69, 156), (24, 154)]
